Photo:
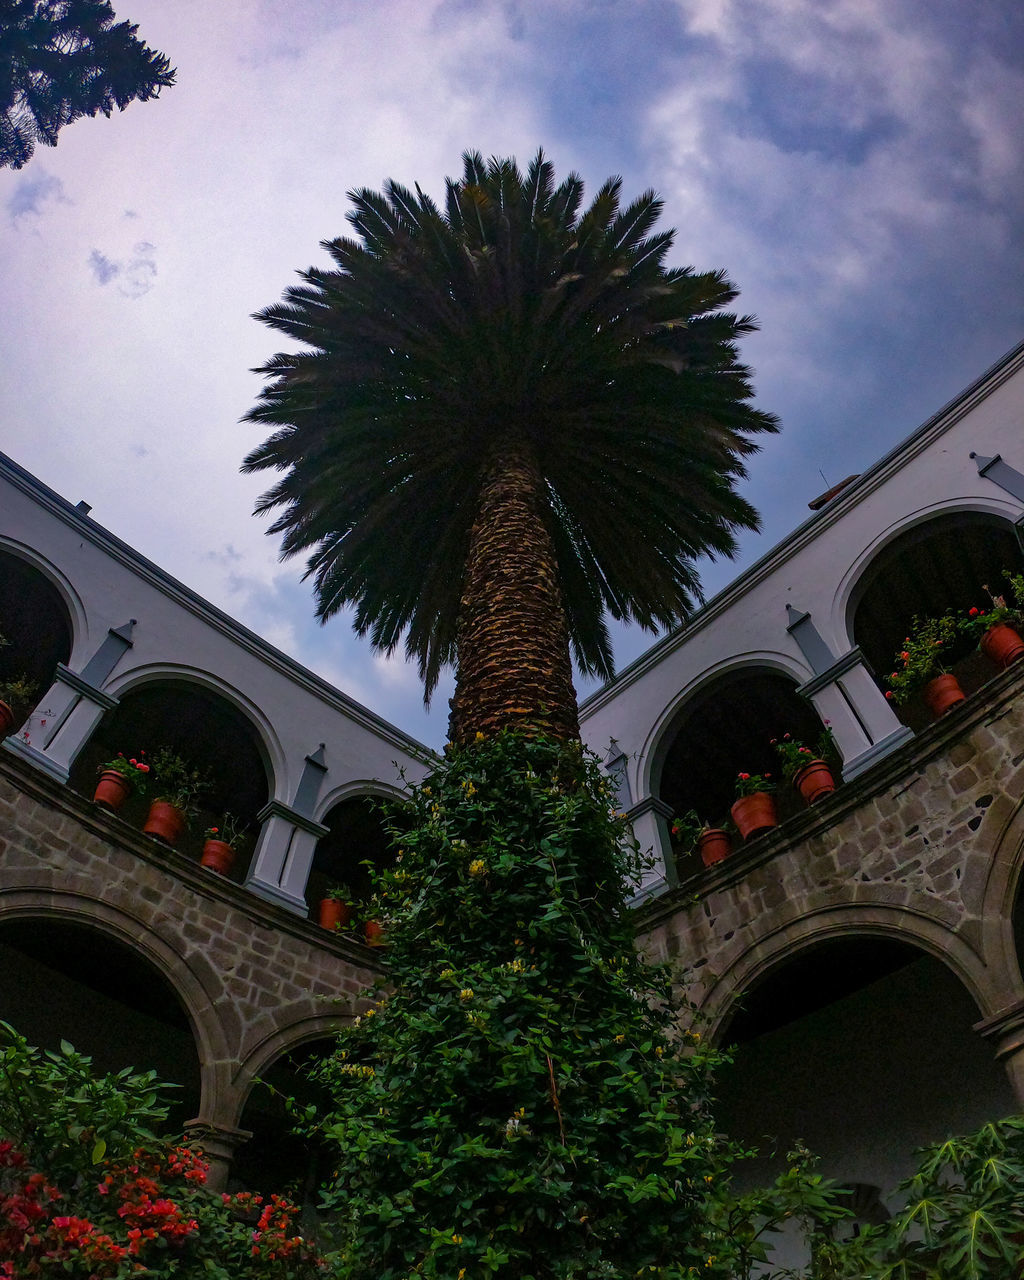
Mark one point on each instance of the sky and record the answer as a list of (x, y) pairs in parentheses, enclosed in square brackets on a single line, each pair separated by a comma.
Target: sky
[(854, 165)]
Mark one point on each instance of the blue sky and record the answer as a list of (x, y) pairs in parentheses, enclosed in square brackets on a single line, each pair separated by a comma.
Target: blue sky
[(854, 165)]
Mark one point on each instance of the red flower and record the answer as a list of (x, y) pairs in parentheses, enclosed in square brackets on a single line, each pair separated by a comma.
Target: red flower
[(972, 613)]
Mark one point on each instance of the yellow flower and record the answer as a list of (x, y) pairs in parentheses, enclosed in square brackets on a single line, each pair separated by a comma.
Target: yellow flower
[(447, 973), (466, 993), (659, 1052), (620, 1039), (456, 1239), (479, 736), (477, 867)]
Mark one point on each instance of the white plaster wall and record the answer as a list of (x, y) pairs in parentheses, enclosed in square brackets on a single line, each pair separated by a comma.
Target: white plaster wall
[(817, 568), (179, 635)]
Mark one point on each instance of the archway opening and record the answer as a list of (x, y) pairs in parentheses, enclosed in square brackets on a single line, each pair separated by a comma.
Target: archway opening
[(276, 1158), (36, 625), (939, 565), (66, 980), (862, 1047), (210, 734), (356, 842), (724, 729)]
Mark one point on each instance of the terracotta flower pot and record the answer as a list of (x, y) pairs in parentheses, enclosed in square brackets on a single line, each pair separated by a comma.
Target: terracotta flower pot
[(112, 790), (373, 932), (713, 844), (754, 815), (334, 914), (218, 855), (814, 781), (165, 822), (1002, 645), (942, 694), (6, 719)]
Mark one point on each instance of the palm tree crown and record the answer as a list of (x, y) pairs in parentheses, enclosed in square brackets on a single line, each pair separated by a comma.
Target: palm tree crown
[(507, 397)]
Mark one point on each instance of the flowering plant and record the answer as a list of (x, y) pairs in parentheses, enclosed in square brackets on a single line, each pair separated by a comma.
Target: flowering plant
[(341, 893), (686, 829), (17, 693), (133, 769), (925, 654), (231, 831), (178, 782), (978, 621), (748, 784), (796, 755)]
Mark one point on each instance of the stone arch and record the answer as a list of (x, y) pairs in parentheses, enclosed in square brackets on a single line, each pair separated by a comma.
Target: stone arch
[(814, 928), (1002, 892), (194, 982), (274, 1044)]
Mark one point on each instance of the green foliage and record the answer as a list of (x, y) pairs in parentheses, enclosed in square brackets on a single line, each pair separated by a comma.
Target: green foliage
[(89, 1191), (963, 1218), (518, 1102), (64, 1117), (61, 61), (510, 320), (179, 782), (926, 653)]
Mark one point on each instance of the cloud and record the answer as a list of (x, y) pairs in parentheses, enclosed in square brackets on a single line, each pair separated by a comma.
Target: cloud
[(136, 275), (32, 194)]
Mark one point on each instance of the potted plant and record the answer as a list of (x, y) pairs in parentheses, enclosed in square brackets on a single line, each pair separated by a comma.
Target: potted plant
[(180, 786), (118, 778), (692, 835), (221, 844), (808, 768), (921, 665), (15, 703), (336, 907), (754, 811), (997, 629)]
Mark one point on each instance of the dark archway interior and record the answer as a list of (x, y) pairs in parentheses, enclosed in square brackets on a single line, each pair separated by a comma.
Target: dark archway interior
[(934, 567), (67, 981), (862, 1048), (205, 730), (726, 728), (356, 836), (35, 622), (275, 1158)]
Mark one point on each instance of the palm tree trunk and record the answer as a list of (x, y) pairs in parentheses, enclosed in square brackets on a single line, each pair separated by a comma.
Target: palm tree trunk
[(513, 641)]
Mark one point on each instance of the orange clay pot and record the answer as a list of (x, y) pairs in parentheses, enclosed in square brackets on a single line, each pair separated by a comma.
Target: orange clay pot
[(754, 815), (165, 822), (373, 932), (6, 719), (218, 856), (942, 694), (112, 790), (713, 845), (1002, 645), (334, 914), (814, 782)]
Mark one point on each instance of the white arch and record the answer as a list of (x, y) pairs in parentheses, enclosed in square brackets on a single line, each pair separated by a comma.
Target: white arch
[(651, 755), (354, 788), (69, 596), (841, 618), (127, 681)]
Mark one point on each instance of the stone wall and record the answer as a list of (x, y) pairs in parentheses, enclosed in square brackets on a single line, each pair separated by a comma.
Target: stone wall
[(926, 847), (255, 980)]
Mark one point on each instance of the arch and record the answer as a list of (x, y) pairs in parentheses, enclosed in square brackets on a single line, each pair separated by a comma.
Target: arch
[(194, 983), (851, 584), (357, 787), (1002, 893), (277, 1044), (355, 835), (652, 752), (275, 761), (900, 924), (72, 601)]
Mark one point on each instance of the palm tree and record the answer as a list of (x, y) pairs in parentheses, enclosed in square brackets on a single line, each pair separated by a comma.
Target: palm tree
[(510, 420)]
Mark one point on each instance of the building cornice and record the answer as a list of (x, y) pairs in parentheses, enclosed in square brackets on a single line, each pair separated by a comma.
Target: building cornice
[(194, 603), (856, 492)]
